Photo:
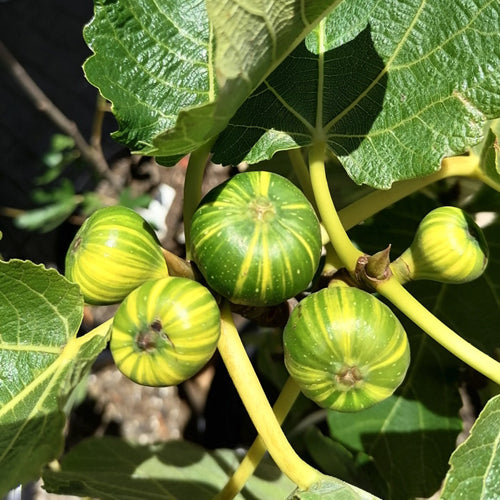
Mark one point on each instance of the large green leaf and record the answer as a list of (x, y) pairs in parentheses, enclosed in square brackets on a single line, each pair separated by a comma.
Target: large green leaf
[(151, 60), (110, 468), (155, 61), (41, 361), (475, 465), (393, 87)]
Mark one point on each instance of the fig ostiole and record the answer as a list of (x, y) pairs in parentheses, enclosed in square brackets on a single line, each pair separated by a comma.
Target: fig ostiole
[(114, 251), (165, 331), (345, 349)]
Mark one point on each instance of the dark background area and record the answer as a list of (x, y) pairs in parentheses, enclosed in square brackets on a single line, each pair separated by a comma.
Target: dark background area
[(46, 39)]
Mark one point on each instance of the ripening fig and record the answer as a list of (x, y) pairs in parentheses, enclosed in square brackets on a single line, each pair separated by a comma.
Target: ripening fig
[(165, 331), (448, 247), (114, 251), (345, 349), (256, 239)]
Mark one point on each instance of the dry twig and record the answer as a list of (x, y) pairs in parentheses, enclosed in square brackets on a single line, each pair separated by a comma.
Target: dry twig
[(91, 154)]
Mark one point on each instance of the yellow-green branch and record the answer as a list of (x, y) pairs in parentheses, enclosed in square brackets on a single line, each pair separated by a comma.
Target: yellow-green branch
[(192, 187), (411, 307), (362, 209), (250, 390), (256, 452), (343, 246), (302, 173)]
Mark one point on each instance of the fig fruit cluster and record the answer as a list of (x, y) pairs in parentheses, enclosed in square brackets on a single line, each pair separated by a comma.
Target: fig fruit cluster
[(256, 242), (166, 328)]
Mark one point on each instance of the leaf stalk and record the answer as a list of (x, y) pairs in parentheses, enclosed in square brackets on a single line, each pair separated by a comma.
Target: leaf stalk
[(435, 328), (343, 246), (192, 187), (362, 209)]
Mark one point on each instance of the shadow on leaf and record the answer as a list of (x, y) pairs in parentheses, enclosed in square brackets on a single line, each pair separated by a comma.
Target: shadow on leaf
[(26, 446), (413, 464), (110, 467), (354, 85)]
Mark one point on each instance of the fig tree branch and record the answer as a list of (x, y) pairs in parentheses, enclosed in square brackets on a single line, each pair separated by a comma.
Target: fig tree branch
[(41, 102)]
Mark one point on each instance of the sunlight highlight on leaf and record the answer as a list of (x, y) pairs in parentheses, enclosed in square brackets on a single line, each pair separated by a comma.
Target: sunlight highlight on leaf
[(475, 465), (110, 467), (170, 91), (41, 361)]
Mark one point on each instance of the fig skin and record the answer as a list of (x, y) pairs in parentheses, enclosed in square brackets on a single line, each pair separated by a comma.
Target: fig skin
[(448, 247), (345, 349), (165, 331), (256, 239), (114, 251)]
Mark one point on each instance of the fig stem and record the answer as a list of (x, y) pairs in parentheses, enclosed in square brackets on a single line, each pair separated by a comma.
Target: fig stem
[(362, 209), (256, 452), (343, 246), (177, 266), (302, 173), (401, 267), (332, 261), (409, 305), (258, 408), (198, 160)]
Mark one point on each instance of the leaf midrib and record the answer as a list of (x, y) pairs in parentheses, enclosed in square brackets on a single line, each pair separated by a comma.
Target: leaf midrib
[(42, 349)]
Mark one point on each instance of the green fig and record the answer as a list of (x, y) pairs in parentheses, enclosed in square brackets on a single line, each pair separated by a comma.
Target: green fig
[(345, 349), (165, 331), (114, 251), (256, 239), (448, 247)]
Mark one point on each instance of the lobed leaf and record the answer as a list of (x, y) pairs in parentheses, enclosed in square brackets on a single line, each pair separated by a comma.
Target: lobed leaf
[(475, 465), (391, 87), (41, 362), (155, 62)]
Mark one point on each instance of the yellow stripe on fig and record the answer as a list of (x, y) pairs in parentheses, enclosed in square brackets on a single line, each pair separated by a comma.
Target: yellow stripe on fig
[(165, 331), (114, 251), (256, 239), (448, 247), (345, 349)]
